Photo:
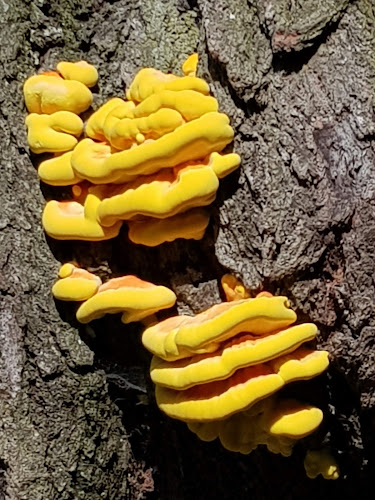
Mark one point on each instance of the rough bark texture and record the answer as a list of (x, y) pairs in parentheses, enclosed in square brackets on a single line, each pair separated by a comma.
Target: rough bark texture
[(298, 80)]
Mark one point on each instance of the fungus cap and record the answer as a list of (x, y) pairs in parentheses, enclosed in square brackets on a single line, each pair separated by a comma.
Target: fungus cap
[(71, 220), (75, 284), (135, 298), (58, 171), (122, 133), (149, 81), (90, 155), (162, 195), (80, 71), (192, 141), (220, 399), (244, 350), (95, 124), (48, 93), (300, 364), (53, 133), (152, 232), (190, 104), (292, 419), (181, 336)]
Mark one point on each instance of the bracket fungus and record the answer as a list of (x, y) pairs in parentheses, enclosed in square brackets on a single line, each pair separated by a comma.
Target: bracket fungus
[(219, 371), (58, 171), (75, 284), (134, 298), (48, 93), (154, 155), (182, 336), (152, 232), (53, 133), (80, 71), (74, 220), (153, 160)]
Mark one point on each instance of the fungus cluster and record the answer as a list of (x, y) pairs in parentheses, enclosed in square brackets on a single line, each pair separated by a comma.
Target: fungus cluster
[(134, 298), (152, 160), (219, 371)]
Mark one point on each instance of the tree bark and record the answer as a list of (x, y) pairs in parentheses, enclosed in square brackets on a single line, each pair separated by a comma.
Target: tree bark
[(78, 418)]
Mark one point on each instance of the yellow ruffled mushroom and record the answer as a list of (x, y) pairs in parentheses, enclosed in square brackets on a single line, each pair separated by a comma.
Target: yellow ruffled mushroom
[(75, 284), (192, 141), (89, 155), (48, 93), (72, 220), (122, 133), (153, 232), (270, 422), (58, 171), (221, 398), (134, 298), (180, 337), (53, 133), (95, 124), (166, 193), (244, 350), (80, 71), (161, 195), (188, 103), (291, 419), (150, 81)]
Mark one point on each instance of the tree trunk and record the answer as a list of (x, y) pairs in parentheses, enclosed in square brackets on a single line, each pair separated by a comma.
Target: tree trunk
[(297, 80)]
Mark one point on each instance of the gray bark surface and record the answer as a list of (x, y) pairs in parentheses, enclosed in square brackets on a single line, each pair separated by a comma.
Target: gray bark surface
[(77, 414)]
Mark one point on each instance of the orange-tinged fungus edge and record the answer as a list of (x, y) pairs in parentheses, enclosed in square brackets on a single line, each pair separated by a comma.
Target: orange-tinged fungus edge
[(181, 336), (75, 284), (135, 298), (245, 350)]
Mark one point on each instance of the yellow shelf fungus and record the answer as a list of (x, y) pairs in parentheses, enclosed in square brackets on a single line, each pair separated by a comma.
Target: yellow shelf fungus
[(153, 232), (53, 133), (244, 350), (162, 195), (192, 141), (134, 298), (58, 171), (293, 420), (166, 193), (72, 220), (218, 371), (48, 93), (219, 399), (160, 146), (189, 104), (321, 462), (90, 155), (95, 124), (123, 133), (75, 284), (80, 71), (244, 431), (181, 336), (149, 81)]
